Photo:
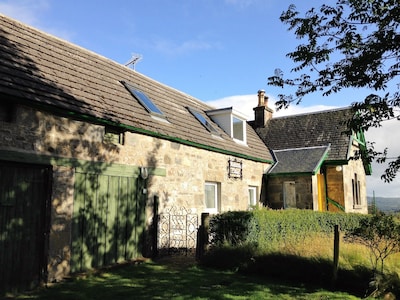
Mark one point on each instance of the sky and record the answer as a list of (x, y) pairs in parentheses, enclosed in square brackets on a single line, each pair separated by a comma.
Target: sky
[(219, 51)]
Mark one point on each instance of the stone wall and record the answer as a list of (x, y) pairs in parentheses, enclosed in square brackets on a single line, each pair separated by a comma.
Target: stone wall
[(303, 188), (349, 171), (77, 144)]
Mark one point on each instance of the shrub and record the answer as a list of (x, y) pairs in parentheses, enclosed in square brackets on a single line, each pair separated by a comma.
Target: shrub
[(269, 229), (233, 228), (277, 227), (381, 234)]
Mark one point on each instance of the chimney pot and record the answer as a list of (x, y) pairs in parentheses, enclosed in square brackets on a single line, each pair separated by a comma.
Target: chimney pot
[(265, 100), (262, 113), (261, 98)]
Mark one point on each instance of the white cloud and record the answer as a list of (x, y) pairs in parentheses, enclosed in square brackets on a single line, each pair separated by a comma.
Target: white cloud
[(386, 136), (246, 103), (26, 11), (170, 47), (31, 12)]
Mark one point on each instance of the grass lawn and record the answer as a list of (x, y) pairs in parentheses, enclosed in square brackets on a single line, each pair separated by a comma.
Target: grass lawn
[(170, 280)]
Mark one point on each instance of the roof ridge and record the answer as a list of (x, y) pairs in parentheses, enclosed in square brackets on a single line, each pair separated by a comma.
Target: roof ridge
[(302, 148), (314, 112)]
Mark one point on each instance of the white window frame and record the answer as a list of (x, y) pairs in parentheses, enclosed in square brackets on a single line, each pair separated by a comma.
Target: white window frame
[(226, 118), (238, 130), (253, 202), (214, 209)]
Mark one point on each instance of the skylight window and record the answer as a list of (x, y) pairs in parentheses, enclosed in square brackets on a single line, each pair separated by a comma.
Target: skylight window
[(203, 121), (144, 100)]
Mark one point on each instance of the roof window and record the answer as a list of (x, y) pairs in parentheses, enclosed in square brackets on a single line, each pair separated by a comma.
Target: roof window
[(200, 117), (144, 100)]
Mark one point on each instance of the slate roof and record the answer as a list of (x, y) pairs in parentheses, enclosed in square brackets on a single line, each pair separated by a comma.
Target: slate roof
[(42, 70), (310, 130), (300, 160)]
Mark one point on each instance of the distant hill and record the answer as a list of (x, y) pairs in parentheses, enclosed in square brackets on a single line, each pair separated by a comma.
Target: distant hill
[(386, 204)]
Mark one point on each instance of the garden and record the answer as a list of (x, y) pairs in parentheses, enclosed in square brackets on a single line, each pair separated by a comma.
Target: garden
[(259, 254)]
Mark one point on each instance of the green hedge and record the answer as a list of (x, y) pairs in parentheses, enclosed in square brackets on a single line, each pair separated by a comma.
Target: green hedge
[(264, 227), (233, 228)]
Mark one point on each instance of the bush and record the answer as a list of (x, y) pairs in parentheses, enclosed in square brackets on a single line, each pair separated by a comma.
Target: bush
[(381, 234), (294, 225), (268, 229), (233, 228), (252, 241)]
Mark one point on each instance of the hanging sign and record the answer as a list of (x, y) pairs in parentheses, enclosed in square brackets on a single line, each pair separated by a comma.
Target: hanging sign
[(235, 168)]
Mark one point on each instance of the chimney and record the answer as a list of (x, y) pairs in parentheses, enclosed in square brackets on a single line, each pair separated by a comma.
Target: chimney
[(261, 95), (262, 113)]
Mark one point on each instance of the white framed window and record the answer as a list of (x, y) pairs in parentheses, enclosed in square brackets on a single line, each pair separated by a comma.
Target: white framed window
[(252, 196), (232, 122), (238, 129), (211, 197)]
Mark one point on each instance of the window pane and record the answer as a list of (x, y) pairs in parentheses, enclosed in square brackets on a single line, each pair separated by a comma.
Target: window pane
[(151, 107), (210, 195), (143, 99), (237, 129), (252, 196), (203, 120)]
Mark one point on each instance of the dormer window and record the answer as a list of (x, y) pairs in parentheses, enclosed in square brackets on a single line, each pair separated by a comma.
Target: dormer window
[(238, 131), (202, 119), (232, 122), (144, 101)]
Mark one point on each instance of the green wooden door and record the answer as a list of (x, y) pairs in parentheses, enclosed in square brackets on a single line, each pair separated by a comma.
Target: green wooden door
[(108, 220), (24, 216)]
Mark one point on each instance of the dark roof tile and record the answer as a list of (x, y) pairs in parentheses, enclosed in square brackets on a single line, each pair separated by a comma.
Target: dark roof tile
[(310, 130), (301, 160)]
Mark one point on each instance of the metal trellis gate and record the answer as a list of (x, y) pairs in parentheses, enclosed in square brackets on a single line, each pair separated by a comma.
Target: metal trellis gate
[(177, 231)]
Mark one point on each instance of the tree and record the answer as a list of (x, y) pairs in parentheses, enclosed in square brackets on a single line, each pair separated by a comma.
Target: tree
[(354, 44), (381, 235)]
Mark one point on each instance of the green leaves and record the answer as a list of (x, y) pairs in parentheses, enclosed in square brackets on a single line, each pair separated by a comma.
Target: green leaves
[(381, 234), (354, 44)]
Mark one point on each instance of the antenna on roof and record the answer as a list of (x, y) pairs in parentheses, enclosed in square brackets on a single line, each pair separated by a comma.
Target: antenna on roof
[(134, 59)]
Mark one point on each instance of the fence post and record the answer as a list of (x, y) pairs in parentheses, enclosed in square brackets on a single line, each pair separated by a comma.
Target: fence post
[(155, 227), (202, 235), (335, 253)]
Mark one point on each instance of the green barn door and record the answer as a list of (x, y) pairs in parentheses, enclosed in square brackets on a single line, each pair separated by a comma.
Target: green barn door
[(24, 216), (107, 220)]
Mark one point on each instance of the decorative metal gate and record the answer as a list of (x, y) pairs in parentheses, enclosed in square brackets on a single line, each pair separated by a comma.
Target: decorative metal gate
[(177, 231)]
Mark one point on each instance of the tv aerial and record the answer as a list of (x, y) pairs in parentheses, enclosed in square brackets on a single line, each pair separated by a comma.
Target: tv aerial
[(135, 58)]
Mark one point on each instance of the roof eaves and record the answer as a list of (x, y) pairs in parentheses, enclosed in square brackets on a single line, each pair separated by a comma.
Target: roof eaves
[(321, 161), (275, 163), (97, 120)]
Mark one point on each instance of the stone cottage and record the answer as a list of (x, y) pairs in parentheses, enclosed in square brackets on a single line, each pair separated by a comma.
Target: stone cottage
[(87, 145), (314, 160), (89, 148)]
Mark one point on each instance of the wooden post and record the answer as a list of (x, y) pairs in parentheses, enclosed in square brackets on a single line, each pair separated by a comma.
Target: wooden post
[(335, 253)]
